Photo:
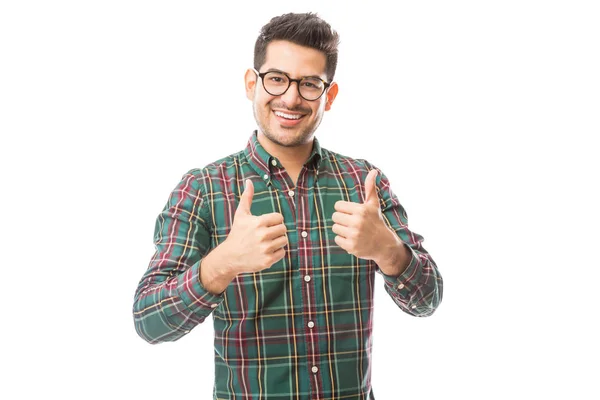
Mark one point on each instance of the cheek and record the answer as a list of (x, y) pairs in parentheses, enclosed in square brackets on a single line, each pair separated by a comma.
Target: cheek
[(320, 108), (262, 107)]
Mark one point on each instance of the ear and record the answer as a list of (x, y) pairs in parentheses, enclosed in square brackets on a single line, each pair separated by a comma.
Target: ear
[(331, 94), (250, 83)]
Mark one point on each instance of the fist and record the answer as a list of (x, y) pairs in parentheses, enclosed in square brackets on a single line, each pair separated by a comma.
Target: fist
[(255, 242), (360, 228)]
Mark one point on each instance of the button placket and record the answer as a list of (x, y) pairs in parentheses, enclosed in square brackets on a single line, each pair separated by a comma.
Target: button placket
[(303, 208)]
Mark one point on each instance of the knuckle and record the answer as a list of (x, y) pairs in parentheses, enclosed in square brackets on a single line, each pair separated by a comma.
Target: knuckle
[(266, 261), (261, 235)]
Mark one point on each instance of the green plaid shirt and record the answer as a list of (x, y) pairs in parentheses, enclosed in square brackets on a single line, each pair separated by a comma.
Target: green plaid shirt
[(301, 329)]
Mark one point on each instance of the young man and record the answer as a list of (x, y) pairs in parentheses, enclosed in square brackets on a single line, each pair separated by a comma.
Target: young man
[(280, 242)]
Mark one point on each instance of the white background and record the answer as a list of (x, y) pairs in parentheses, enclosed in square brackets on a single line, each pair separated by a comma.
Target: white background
[(483, 115)]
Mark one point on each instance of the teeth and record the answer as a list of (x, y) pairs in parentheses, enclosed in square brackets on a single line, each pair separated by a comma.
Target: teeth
[(287, 116)]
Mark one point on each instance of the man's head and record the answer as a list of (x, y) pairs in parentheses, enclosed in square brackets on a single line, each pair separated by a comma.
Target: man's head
[(293, 46), (306, 30)]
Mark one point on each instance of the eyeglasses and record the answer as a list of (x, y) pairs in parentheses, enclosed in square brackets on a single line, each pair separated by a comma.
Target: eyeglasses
[(277, 83)]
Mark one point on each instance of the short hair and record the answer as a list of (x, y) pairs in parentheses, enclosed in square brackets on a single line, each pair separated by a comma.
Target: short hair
[(306, 29)]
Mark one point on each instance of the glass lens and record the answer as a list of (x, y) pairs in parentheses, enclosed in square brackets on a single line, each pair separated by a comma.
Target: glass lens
[(276, 83), (311, 88)]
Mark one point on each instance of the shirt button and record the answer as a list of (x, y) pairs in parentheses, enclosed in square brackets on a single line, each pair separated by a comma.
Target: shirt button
[(304, 234), (315, 370), (413, 306), (311, 324), (266, 176), (401, 286), (274, 162), (307, 278), (214, 305), (291, 193)]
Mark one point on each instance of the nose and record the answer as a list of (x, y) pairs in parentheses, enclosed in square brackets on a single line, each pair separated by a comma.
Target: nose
[(292, 96)]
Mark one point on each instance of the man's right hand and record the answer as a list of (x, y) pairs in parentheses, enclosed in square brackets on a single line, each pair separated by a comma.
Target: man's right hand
[(254, 242)]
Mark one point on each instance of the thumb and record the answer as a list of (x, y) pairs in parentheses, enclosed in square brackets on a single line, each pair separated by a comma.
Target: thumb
[(246, 198), (370, 188)]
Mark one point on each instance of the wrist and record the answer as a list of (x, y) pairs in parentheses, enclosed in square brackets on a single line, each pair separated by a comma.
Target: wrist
[(388, 247), (225, 262), (394, 256), (215, 272)]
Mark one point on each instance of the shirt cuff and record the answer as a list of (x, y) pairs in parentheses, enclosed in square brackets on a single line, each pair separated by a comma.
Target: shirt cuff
[(408, 280), (194, 295)]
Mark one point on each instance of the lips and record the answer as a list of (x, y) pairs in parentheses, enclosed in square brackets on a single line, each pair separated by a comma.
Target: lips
[(287, 115), (288, 118)]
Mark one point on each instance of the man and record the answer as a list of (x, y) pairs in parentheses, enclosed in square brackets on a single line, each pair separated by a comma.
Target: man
[(280, 242)]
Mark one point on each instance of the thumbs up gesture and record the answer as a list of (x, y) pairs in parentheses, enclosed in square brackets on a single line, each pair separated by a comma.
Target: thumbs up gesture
[(254, 242), (360, 228)]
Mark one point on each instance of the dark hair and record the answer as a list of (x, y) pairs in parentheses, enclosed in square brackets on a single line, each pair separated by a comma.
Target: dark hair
[(307, 30)]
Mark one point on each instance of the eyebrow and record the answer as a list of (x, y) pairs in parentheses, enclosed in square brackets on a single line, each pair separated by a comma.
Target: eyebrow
[(283, 72)]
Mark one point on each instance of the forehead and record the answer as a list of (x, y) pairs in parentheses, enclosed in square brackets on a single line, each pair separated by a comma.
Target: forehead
[(294, 59)]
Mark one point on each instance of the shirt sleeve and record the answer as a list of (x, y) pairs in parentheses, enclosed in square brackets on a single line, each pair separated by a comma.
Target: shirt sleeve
[(418, 290), (170, 299)]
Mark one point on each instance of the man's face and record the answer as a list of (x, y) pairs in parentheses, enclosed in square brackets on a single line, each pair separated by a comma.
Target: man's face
[(289, 120)]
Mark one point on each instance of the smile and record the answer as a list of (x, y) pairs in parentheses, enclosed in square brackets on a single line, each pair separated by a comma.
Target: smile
[(288, 116)]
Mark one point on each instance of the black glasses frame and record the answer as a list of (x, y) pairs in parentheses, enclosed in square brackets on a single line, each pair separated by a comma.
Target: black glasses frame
[(290, 80)]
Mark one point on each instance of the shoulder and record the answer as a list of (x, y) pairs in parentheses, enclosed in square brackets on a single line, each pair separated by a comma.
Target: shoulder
[(346, 162), (215, 170), (356, 169)]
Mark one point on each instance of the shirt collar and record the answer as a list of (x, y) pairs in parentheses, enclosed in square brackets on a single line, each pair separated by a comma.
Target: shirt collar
[(261, 160)]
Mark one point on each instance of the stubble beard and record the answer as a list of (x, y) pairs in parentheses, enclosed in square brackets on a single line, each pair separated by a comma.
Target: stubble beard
[(302, 138)]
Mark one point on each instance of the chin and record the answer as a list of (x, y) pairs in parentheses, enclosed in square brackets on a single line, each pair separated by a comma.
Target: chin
[(288, 137)]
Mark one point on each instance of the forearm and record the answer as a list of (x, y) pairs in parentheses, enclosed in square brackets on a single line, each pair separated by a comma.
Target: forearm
[(395, 255), (411, 276), (167, 310), (418, 290)]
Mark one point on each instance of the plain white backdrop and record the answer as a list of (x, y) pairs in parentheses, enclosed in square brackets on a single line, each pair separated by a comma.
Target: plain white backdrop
[(483, 115)]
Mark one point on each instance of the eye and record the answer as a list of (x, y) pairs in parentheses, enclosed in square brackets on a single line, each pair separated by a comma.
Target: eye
[(312, 84), (276, 78)]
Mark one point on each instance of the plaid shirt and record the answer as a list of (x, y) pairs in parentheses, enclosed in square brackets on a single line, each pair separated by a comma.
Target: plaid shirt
[(301, 329)]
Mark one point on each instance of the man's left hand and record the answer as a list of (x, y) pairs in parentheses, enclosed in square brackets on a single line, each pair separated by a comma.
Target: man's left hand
[(360, 228)]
